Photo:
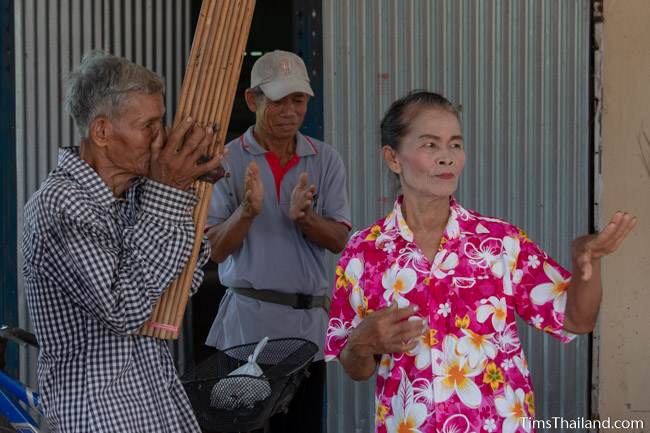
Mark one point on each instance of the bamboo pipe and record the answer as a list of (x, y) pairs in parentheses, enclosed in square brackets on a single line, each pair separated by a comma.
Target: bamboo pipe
[(166, 307), (202, 72), (211, 73), (207, 95), (235, 60), (207, 9)]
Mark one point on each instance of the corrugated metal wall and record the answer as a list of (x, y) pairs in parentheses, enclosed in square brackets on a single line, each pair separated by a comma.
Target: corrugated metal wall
[(520, 69), (51, 37)]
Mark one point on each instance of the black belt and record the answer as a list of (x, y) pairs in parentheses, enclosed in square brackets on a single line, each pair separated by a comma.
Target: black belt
[(299, 301)]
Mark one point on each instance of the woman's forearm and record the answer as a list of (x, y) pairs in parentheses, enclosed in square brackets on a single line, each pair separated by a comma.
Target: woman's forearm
[(583, 300), (358, 367)]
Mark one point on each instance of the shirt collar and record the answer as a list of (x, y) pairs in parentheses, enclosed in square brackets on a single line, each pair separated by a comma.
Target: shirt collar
[(395, 220), (85, 175), (304, 145)]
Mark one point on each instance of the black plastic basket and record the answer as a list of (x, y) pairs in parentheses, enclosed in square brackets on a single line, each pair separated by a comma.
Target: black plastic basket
[(284, 363)]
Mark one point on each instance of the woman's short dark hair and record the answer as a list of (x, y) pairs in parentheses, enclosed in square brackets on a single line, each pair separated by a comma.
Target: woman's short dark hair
[(395, 124)]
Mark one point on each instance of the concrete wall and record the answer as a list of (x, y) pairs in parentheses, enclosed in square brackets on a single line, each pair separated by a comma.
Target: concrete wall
[(624, 352)]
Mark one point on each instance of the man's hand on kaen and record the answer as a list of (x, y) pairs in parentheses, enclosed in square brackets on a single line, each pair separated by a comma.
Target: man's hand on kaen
[(179, 159)]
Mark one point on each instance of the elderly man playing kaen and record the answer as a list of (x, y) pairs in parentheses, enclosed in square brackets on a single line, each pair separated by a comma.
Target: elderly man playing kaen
[(284, 204), (105, 235)]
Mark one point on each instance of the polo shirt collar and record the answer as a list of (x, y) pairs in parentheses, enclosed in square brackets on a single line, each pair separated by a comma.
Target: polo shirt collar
[(304, 145)]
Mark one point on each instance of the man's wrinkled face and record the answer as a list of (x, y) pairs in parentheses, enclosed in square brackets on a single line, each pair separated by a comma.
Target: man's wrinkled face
[(284, 117), (133, 131)]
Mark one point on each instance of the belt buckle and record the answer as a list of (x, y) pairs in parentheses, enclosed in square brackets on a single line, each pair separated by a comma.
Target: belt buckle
[(304, 302)]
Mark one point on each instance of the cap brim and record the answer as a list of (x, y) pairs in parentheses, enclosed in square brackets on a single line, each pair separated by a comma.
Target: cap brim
[(279, 89)]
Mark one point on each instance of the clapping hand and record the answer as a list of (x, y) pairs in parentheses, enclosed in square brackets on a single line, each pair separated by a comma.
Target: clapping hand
[(253, 191), (301, 198)]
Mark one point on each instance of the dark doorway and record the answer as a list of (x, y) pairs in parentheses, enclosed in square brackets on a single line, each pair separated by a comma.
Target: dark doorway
[(8, 266)]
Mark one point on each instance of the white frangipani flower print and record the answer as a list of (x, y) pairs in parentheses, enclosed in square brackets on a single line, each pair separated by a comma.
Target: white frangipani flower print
[(444, 263), (506, 267), (453, 227), (554, 290), (385, 241), (476, 347), (386, 364), (480, 228), (354, 271), (511, 407), (359, 304), (422, 351), (522, 364), (398, 282), (453, 375), (495, 307)]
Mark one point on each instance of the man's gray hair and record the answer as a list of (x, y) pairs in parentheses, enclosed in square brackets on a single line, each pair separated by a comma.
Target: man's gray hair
[(260, 99), (101, 84), (258, 92)]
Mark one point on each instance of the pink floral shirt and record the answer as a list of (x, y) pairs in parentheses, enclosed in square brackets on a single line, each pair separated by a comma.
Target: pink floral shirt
[(468, 373)]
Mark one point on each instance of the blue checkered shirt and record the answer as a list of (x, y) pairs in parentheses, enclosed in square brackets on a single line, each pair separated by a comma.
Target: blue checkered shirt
[(95, 266)]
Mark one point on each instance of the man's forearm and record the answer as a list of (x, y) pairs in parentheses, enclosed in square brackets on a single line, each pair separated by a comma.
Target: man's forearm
[(228, 236), (583, 301), (324, 232)]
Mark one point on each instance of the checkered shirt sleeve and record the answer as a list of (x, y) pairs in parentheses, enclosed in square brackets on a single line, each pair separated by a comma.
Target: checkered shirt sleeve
[(94, 268)]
